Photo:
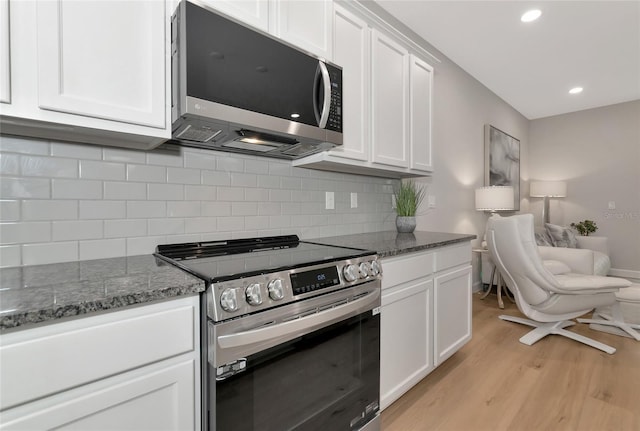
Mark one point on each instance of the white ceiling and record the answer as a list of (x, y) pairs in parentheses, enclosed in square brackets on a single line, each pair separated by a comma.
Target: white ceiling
[(532, 66)]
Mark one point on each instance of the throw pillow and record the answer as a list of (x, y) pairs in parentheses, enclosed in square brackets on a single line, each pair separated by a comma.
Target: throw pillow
[(561, 236), (543, 239)]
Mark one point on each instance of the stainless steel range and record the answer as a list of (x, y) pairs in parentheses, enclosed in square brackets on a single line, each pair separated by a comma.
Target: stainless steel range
[(291, 333)]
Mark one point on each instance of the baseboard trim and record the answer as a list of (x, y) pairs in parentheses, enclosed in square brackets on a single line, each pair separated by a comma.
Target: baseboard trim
[(477, 286), (624, 273)]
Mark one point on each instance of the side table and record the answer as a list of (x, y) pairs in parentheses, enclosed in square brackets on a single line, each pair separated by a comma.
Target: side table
[(495, 274)]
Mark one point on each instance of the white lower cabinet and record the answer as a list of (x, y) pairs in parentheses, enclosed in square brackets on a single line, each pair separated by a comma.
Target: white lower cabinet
[(425, 315), (132, 369)]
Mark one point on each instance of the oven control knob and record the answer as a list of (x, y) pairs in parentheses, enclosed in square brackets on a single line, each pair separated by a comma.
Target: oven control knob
[(253, 294), (276, 289), (228, 300), (365, 270), (375, 268), (350, 272)]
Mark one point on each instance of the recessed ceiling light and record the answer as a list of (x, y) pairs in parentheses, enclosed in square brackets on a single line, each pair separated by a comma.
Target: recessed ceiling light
[(575, 90), (531, 15)]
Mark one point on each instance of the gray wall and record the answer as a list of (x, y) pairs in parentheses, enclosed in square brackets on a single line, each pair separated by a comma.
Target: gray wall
[(597, 152)]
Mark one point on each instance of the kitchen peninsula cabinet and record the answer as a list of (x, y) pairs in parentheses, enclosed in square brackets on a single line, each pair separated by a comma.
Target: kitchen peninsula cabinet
[(425, 315), (92, 72), (304, 24), (137, 368), (388, 88)]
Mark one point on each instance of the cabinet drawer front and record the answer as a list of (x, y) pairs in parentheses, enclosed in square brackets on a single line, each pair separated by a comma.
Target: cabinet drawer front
[(45, 360), (400, 269), (451, 256)]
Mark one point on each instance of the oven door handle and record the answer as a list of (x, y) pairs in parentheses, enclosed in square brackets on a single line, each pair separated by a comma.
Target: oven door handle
[(303, 325)]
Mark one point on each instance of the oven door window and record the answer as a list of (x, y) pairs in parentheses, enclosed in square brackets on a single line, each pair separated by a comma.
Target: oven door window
[(326, 380)]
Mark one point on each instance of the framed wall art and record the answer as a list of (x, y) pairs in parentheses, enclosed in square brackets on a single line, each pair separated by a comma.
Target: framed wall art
[(502, 161)]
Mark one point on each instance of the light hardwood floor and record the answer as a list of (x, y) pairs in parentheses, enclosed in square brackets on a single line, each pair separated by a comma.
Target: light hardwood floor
[(497, 383)]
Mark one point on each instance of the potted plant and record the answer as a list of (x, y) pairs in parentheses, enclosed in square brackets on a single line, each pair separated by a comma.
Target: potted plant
[(585, 227), (409, 195)]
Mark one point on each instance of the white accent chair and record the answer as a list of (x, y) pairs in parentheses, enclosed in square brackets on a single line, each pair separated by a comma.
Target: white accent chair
[(550, 300)]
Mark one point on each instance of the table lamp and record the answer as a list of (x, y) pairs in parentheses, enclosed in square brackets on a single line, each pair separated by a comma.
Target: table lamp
[(495, 198), (546, 190)]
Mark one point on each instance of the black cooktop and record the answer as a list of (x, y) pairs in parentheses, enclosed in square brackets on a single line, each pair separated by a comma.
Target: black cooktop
[(217, 261)]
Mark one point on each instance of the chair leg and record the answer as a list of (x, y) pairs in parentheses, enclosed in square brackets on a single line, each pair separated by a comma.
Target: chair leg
[(615, 320), (543, 329)]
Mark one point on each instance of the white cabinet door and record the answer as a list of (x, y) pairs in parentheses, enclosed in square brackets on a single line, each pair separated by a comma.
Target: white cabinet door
[(390, 63), (351, 52), (452, 312), (420, 96), (406, 341), (5, 59), (305, 24), (151, 398), (103, 59), (252, 12)]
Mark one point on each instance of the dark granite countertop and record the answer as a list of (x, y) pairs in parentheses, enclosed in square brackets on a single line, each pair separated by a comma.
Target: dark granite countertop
[(392, 243), (39, 293)]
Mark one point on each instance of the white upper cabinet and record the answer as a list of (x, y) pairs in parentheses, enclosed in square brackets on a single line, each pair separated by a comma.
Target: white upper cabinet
[(389, 76), (5, 60), (420, 96), (102, 59), (252, 12), (305, 24), (351, 42), (93, 72)]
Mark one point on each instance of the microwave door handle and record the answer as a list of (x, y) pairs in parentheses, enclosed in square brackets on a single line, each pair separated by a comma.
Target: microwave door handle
[(322, 78), (301, 326)]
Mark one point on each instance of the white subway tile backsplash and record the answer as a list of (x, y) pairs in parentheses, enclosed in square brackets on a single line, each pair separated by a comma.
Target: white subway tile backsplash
[(9, 164), (91, 209), (166, 226), (229, 224), (183, 209), (122, 190), (10, 255), (147, 174), (122, 155), (183, 176), (167, 192), (96, 170), (25, 232), (230, 194), (125, 202), (125, 228), (49, 210), (200, 193), (215, 209), (76, 230), (143, 245), (51, 252), (76, 151), (102, 248), (9, 210), (146, 209), (21, 187), (76, 189), (52, 167), (215, 178), (200, 225), (23, 146)]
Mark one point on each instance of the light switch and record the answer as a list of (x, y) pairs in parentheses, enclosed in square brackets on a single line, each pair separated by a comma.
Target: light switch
[(329, 201), (354, 200)]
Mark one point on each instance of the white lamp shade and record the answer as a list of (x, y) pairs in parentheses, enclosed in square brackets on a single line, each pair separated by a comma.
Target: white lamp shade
[(554, 189), (495, 198)]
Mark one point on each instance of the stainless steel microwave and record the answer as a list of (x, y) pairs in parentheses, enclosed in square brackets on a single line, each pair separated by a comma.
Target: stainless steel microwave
[(241, 90)]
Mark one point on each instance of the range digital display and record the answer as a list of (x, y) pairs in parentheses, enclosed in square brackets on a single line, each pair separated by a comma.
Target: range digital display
[(308, 281)]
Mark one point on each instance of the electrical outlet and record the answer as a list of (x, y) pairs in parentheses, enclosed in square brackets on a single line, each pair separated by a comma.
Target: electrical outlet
[(330, 202), (612, 205), (354, 200), (431, 201), (393, 202)]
